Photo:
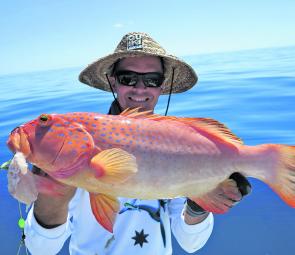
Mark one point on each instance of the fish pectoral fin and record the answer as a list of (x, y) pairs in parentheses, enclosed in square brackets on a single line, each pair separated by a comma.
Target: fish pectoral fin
[(104, 209), (113, 165), (220, 199)]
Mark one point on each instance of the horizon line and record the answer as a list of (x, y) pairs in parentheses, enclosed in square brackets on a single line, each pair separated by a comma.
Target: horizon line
[(181, 56)]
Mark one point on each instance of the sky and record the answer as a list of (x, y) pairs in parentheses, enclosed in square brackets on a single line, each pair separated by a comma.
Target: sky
[(41, 35)]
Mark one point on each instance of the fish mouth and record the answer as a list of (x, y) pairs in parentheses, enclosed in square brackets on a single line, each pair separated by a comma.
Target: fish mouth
[(18, 142)]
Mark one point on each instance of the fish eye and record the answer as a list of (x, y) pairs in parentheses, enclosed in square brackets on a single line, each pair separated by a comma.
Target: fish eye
[(44, 120), (43, 117)]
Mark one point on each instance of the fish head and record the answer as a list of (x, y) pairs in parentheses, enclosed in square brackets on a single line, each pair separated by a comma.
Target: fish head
[(51, 142)]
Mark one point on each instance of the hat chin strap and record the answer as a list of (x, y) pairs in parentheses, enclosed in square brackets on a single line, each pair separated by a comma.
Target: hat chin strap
[(116, 100), (169, 97), (170, 92)]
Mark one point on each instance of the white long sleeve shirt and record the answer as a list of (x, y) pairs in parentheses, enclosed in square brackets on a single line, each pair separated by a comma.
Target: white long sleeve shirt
[(141, 227)]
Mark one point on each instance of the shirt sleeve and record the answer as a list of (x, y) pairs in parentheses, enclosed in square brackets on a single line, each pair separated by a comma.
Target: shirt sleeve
[(49, 241), (190, 237)]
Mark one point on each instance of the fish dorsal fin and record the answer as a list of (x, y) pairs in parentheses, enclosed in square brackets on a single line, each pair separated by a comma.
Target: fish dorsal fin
[(135, 113), (202, 125), (212, 127)]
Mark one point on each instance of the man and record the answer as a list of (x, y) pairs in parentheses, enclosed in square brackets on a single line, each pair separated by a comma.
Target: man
[(139, 71)]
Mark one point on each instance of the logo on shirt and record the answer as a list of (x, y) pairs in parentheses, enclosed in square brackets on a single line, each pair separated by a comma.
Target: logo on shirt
[(140, 238)]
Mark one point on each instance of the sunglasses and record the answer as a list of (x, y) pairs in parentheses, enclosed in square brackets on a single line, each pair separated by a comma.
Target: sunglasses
[(130, 78)]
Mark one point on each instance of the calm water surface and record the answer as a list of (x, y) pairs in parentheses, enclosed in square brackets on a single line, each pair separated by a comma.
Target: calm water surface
[(252, 92)]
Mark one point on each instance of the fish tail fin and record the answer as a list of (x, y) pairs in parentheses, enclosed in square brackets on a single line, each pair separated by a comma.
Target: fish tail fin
[(282, 181)]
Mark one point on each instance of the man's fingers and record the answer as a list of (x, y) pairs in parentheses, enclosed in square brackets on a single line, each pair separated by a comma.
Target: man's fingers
[(243, 184), (38, 171)]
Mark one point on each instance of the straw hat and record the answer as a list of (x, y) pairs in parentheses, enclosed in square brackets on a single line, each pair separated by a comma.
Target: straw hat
[(140, 44)]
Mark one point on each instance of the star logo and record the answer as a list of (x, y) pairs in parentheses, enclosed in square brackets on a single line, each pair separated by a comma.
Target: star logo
[(140, 238)]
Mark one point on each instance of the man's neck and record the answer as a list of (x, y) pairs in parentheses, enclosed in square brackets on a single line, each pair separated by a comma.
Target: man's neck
[(114, 109)]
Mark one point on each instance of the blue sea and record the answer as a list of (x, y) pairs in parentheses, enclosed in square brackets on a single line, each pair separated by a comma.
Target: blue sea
[(252, 92)]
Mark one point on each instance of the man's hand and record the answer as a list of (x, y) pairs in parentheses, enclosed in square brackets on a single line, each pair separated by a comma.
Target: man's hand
[(194, 213), (52, 211)]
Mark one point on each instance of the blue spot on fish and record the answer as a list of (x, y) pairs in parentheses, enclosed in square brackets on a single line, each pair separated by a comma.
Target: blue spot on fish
[(73, 151), (103, 135), (85, 138), (83, 147), (57, 125), (70, 142), (61, 134), (117, 141), (93, 125)]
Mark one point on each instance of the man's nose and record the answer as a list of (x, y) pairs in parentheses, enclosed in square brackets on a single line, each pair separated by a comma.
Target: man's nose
[(140, 83)]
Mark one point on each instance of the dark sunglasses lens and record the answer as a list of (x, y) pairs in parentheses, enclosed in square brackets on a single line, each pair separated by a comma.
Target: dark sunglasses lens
[(153, 79), (127, 79)]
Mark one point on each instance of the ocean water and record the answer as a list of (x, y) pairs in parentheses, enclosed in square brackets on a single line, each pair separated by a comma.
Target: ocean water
[(252, 92)]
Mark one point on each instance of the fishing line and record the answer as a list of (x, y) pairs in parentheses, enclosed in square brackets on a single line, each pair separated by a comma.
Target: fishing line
[(21, 225), (21, 220)]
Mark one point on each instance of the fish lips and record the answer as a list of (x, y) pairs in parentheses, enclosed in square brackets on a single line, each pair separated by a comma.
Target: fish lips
[(18, 141)]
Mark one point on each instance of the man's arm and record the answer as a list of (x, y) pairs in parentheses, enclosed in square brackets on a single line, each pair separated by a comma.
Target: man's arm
[(194, 226), (52, 211), (191, 233), (47, 225)]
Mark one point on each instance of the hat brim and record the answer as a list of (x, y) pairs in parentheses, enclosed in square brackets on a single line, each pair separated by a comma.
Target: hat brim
[(184, 76)]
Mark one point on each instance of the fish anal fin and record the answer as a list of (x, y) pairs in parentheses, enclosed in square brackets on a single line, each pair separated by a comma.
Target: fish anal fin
[(104, 209), (220, 199), (113, 165)]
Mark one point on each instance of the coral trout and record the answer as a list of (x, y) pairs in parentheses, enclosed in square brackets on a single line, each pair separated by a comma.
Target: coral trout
[(146, 156)]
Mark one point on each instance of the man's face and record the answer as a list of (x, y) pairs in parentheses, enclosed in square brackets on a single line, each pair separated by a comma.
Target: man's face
[(139, 95)]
